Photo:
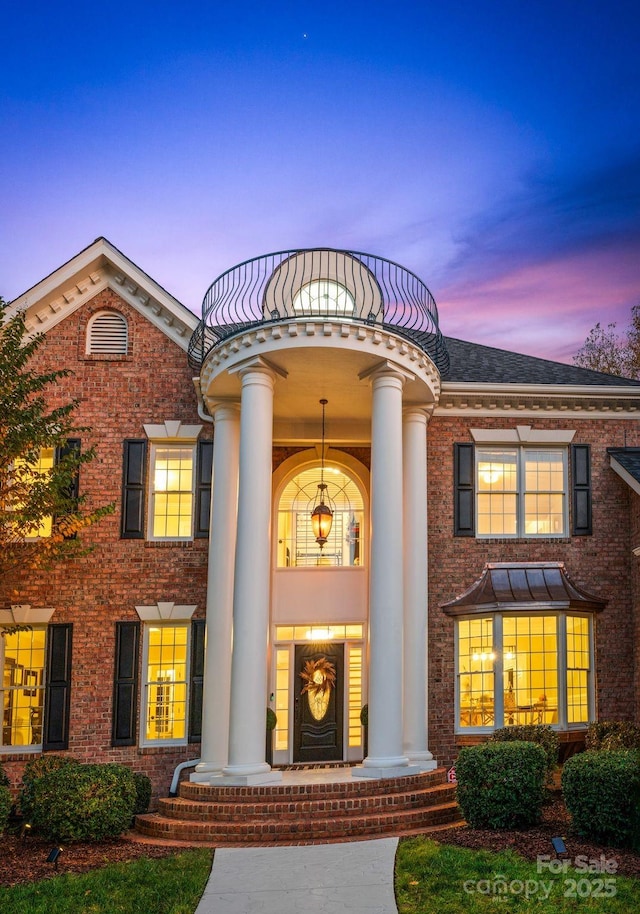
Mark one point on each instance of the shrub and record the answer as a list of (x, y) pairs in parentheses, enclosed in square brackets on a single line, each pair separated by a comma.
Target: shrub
[(533, 733), (613, 734), (5, 806), (83, 802), (501, 784), (272, 720), (143, 793), (601, 790), (4, 780), (33, 771)]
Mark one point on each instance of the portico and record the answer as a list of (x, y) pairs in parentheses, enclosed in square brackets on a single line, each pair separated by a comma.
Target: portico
[(262, 386)]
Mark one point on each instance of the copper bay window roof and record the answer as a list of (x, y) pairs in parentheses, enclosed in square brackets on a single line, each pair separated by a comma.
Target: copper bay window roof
[(525, 586)]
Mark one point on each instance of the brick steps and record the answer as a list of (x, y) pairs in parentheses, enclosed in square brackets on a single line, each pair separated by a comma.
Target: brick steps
[(304, 812)]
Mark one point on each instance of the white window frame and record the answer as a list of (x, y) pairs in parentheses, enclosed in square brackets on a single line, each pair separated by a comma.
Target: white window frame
[(144, 705), (520, 492), (161, 445), (498, 670)]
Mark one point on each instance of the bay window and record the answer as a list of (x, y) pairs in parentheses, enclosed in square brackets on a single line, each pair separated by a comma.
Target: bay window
[(513, 668)]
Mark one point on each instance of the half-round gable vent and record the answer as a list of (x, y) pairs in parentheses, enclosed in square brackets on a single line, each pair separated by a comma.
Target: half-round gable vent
[(108, 332)]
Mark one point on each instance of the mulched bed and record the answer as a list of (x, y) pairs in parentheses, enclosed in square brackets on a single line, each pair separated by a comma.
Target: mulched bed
[(530, 842), (25, 860)]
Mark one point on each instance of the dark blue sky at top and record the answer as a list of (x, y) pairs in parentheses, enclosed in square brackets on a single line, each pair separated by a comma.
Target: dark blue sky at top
[(491, 147)]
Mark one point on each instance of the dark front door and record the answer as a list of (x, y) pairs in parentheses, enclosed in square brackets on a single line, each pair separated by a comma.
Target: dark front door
[(319, 692)]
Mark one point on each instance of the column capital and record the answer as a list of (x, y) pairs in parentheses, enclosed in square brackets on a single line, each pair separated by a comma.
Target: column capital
[(257, 366), (224, 408), (386, 371), (416, 413)]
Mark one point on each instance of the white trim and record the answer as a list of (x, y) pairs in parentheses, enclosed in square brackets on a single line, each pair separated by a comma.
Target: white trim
[(628, 478), (165, 612), (145, 684), (520, 434), (172, 431), (182, 443), (98, 267), (25, 614)]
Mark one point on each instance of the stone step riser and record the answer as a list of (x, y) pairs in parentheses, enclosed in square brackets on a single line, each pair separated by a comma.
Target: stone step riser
[(229, 812), (317, 829)]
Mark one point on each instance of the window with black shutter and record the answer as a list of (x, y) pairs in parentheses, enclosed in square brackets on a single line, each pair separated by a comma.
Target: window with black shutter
[(125, 687), (203, 488), (581, 483), (58, 691), (133, 483), (197, 679)]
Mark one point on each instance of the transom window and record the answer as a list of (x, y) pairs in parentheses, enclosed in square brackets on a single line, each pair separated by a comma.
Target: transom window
[(521, 491), (23, 686), (323, 296), (165, 698), (524, 669), (172, 491), (297, 546)]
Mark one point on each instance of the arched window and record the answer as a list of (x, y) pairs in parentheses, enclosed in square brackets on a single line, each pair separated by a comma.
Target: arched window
[(323, 296), (296, 544), (108, 333)]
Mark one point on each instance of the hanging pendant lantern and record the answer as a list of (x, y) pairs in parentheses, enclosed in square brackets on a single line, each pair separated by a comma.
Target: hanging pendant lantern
[(321, 515)]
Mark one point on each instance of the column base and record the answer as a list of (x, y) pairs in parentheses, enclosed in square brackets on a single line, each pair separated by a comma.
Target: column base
[(394, 771), (424, 760), (246, 780), (204, 772)]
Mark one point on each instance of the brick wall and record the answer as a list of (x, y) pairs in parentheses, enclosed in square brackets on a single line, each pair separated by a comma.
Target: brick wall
[(600, 563), (117, 395)]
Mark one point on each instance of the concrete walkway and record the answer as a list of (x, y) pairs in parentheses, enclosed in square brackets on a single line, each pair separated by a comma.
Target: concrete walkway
[(348, 878)]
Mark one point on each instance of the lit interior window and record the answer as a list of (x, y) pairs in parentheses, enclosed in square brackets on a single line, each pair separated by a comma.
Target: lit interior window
[(323, 296), (475, 672), (530, 669), (166, 707), (297, 546), (578, 669), (23, 687), (32, 473), (497, 493), (282, 699), (173, 492), (355, 695), (544, 493)]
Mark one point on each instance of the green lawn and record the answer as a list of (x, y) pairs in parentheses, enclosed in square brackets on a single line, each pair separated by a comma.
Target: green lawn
[(170, 885), (436, 878)]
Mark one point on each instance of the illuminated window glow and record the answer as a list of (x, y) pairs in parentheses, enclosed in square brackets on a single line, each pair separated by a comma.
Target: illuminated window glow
[(527, 655), (166, 683), (23, 685), (297, 546), (521, 491), (33, 472), (323, 297), (172, 491)]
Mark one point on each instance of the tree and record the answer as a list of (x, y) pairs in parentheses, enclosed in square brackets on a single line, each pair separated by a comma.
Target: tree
[(604, 350), (41, 514)]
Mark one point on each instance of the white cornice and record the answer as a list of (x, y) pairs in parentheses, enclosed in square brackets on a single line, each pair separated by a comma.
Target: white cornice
[(102, 266), (534, 400)]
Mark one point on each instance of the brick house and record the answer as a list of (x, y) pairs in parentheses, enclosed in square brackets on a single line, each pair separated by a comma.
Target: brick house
[(479, 570)]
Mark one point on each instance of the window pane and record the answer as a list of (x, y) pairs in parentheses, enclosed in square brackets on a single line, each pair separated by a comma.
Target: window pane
[(497, 481), (23, 688), (282, 699), (173, 493), (544, 499), (578, 668), (529, 657), (475, 673), (296, 543), (167, 682)]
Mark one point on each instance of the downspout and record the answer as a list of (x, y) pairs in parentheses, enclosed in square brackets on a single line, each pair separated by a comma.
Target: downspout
[(202, 409), (173, 790)]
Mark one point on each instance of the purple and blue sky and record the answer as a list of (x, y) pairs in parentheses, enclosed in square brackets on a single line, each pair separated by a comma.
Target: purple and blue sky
[(491, 146)]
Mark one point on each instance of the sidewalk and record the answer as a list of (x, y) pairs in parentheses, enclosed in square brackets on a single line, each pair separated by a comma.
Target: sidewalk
[(354, 877)]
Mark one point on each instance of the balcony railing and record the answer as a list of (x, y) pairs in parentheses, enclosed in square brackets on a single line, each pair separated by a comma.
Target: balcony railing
[(336, 285)]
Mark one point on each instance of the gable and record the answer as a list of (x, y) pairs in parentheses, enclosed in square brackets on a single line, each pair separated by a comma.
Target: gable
[(98, 267)]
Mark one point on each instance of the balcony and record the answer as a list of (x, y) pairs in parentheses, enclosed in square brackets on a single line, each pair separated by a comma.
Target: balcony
[(319, 284)]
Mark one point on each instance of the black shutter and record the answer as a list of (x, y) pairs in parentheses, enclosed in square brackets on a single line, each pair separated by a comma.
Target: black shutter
[(464, 490), (203, 487), (125, 684), (197, 678), (581, 484), (58, 689), (72, 446), (133, 474)]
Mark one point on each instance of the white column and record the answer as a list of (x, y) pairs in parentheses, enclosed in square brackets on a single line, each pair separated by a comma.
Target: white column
[(414, 456), (247, 726), (222, 547), (386, 758)]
